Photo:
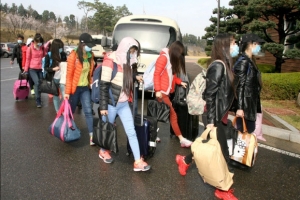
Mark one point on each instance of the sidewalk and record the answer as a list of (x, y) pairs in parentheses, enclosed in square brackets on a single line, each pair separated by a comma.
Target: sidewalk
[(272, 125), (276, 127)]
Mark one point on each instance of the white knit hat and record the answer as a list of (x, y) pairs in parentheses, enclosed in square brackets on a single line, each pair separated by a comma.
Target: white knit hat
[(29, 40)]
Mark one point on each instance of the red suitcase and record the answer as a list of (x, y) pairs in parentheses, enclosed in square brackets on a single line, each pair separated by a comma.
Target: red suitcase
[(21, 89)]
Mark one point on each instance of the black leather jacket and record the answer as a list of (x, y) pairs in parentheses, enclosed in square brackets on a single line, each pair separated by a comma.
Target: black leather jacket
[(248, 89), (17, 53), (219, 93)]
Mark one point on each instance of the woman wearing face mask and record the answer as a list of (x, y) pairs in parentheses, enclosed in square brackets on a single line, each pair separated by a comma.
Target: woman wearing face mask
[(79, 78), (53, 69), (34, 55), (248, 90), (219, 95), (117, 103)]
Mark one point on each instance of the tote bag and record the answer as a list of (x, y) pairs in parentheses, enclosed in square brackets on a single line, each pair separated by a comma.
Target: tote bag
[(105, 135), (64, 126), (159, 110)]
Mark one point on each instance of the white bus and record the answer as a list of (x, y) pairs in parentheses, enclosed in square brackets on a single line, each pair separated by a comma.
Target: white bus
[(98, 50), (153, 32)]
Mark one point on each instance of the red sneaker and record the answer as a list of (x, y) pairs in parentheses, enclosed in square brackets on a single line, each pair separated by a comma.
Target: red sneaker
[(182, 166), (225, 195)]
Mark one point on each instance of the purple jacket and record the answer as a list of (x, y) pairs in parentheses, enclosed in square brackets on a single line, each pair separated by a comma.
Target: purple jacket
[(34, 56)]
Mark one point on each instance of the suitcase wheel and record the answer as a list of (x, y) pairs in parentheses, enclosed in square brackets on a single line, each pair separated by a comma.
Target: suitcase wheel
[(26, 97), (17, 98)]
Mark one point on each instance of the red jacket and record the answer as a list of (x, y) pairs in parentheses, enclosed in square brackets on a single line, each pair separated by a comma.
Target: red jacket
[(161, 77), (24, 49)]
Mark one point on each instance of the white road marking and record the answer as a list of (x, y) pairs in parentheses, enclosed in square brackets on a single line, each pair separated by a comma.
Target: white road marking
[(279, 150), (9, 79), (8, 67)]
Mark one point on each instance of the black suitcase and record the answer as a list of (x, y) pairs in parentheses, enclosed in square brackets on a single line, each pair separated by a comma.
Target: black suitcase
[(146, 130), (188, 124)]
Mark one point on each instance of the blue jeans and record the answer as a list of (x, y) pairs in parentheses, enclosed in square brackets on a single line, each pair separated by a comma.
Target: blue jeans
[(36, 75), (124, 112), (56, 99), (83, 94)]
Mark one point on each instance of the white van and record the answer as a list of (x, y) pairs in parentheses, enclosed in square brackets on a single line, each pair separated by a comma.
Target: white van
[(98, 50), (153, 32)]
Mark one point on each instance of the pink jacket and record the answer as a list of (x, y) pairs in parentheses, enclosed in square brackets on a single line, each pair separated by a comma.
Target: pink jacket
[(34, 56)]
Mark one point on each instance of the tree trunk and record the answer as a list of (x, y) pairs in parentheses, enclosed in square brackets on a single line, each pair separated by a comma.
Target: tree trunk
[(278, 63), (298, 99)]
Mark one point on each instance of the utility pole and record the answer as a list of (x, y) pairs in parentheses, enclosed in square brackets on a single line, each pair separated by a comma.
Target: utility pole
[(218, 20)]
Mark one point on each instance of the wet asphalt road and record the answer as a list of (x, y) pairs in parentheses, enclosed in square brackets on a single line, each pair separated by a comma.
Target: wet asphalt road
[(36, 165)]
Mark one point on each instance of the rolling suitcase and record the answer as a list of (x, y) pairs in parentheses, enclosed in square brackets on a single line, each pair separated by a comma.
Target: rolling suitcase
[(21, 89), (146, 131), (188, 124)]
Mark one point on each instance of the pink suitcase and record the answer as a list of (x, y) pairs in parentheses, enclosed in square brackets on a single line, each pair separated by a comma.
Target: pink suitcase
[(21, 89)]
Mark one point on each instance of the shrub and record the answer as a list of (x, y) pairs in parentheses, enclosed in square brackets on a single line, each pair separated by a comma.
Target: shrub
[(266, 68), (280, 86), (203, 62)]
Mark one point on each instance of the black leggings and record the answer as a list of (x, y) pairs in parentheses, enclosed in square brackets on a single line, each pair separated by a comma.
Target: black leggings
[(249, 124), (221, 137)]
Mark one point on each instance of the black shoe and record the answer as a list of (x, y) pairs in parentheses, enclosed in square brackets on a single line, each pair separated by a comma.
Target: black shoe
[(237, 165)]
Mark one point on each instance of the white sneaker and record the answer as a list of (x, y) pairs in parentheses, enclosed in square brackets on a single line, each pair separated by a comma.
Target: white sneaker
[(91, 141), (32, 91), (185, 142), (157, 139)]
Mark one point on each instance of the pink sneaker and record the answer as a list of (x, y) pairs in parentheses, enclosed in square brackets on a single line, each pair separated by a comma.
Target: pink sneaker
[(104, 155), (141, 166)]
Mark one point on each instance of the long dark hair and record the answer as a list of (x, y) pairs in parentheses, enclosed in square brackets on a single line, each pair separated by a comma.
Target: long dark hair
[(56, 45), (221, 51), (127, 72), (79, 52), (38, 38), (176, 52)]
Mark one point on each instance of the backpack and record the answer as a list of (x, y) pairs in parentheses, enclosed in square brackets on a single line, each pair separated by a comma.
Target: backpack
[(194, 99), (43, 64), (148, 76), (210, 161), (95, 94)]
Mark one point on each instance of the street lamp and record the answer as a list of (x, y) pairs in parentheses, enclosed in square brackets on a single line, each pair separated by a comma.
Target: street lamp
[(218, 20)]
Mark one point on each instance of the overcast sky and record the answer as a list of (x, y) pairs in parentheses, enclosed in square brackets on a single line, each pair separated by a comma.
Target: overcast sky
[(192, 16)]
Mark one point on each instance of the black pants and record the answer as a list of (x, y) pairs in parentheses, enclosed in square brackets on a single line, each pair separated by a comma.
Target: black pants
[(249, 124), (221, 137), (20, 66)]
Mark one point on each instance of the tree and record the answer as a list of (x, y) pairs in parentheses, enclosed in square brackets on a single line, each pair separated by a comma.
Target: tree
[(45, 16), (102, 19), (52, 16), (4, 8), (59, 20), (35, 14), (211, 31), (120, 11), (86, 7), (13, 9), (22, 11), (281, 16), (30, 11)]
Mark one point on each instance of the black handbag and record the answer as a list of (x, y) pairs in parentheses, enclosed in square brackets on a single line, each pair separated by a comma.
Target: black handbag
[(105, 135), (159, 110), (49, 87)]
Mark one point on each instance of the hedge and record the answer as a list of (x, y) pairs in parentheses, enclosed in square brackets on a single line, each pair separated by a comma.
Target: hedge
[(266, 68), (276, 86), (203, 62), (280, 86)]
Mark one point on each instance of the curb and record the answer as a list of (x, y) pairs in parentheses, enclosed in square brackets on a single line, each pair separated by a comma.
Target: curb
[(279, 133)]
